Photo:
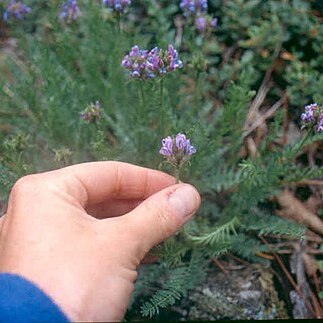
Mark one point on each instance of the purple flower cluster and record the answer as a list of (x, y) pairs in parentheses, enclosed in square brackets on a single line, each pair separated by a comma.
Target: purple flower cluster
[(120, 6), (198, 10), (70, 11), (313, 117), (16, 9), (319, 127), (205, 23), (144, 64), (92, 113), (193, 7), (177, 150)]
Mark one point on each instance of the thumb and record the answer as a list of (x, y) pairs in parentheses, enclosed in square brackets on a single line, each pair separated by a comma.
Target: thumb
[(161, 215)]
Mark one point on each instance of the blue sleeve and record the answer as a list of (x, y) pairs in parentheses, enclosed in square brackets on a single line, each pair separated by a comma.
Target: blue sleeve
[(22, 301)]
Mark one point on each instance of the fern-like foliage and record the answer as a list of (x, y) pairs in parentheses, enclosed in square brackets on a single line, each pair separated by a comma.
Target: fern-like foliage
[(264, 176), (220, 234), (218, 250), (268, 223), (168, 295), (222, 179), (230, 119), (147, 275), (247, 247), (173, 250), (180, 280), (298, 174)]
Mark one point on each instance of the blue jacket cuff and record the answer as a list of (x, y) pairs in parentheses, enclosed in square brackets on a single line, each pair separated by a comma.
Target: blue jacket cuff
[(22, 301)]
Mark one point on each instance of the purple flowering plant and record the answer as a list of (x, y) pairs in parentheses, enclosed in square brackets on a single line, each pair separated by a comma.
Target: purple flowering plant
[(312, 117), (145, 64), (154, 64), (16, 10), (177, 151), (69, 11), (205, 23), (196, 10), (118, 6), (193, 7), (92, 113)]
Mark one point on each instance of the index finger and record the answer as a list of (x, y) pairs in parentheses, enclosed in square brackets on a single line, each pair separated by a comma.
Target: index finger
[(99, 181)]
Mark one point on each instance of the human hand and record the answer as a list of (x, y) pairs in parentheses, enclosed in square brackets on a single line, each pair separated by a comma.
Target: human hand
[(80, 232)]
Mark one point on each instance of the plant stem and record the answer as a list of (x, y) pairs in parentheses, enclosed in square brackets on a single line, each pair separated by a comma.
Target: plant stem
[(143, 101), (162, 107), (304, 139), (198, 92), (140, 116), (118, 23), (176, 174)]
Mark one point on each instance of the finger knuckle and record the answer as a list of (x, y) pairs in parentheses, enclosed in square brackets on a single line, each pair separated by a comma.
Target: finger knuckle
[(24, 185)]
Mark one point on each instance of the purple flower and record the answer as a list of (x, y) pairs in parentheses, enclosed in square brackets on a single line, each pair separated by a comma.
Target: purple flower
[(319, 127), (173, 62), (214, 22), (193, 7), (92, 112), (200, 23), (154, 64), (146, 64), (183, 144), (177, 150), (198, 10), (313, 117), (167, 146), (120, 6), (308, 115), (70, 11), (136, 62), (205, 23), (16, 9)]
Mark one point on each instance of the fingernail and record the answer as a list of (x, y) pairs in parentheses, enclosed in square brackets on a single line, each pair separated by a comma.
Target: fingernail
[(184, 201)]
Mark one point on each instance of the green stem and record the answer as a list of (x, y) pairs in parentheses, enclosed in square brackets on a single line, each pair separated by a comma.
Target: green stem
[(162, 118), (296, 149), (140, 117), (198, 92), (118, 23), (176, 174), (143, 100), (304, 139), (95, 124)]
